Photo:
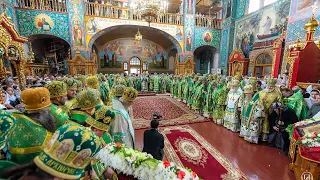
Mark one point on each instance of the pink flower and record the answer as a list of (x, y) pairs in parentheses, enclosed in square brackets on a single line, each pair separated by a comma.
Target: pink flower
[(166, 164), (181, 174)]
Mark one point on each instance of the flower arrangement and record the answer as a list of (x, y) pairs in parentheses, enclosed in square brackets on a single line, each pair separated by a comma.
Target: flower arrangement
[(311, 139), (142, 165), (304, 122)]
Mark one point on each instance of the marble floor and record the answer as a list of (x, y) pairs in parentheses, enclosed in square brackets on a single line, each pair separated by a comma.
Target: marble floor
[(258, 162)]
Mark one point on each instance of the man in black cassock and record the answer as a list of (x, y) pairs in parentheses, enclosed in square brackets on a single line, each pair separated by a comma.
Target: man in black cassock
[(279, 119)]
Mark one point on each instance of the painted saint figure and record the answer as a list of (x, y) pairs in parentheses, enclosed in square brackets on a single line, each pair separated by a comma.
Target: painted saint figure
[(267, 25), (207, 38)]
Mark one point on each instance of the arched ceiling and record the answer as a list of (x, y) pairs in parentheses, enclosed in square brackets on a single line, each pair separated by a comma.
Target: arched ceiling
[(204, 48), (130, 31)]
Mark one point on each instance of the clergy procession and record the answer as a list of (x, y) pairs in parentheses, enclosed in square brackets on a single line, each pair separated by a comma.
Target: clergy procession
[(57, 126)]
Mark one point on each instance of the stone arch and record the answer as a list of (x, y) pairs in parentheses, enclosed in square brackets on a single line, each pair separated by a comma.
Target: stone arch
[(203, 57), (109, 29)]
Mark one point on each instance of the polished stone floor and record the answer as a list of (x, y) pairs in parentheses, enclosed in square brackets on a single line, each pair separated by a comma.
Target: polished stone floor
[(258, 162)]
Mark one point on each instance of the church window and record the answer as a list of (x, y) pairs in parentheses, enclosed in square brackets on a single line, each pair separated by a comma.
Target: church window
[(135, 61), (267, 2), (125, 66), (255, 5)]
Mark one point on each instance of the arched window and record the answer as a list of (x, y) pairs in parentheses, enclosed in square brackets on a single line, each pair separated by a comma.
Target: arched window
[(135, 61), (263, 65)]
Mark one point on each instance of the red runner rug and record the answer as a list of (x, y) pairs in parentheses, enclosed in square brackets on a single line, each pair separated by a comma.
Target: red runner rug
[(185, 147), (172, 112)]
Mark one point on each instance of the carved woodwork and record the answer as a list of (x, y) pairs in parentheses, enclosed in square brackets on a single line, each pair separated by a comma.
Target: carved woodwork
[(238, 64), (79, 65), (186, 67)]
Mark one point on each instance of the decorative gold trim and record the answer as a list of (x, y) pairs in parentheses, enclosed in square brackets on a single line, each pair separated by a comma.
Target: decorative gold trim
[(51, 171), (172, 155), (96, 124)]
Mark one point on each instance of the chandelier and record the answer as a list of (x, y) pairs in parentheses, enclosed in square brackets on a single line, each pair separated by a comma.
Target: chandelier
[(149, 9), (138, 36)]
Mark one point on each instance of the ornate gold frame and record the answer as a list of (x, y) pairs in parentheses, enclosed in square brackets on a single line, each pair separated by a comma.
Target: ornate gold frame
[(11, 38), (271, 53)]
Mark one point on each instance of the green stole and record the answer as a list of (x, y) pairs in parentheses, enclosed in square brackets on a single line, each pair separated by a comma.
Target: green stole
[(250, 108), (79, 116), (60, 116)]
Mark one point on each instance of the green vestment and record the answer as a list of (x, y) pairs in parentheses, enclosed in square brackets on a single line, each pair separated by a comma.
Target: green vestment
[(27, 140), (60, 116)]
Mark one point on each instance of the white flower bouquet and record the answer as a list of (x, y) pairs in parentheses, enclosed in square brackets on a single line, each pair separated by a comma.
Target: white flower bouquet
[(142, 165)]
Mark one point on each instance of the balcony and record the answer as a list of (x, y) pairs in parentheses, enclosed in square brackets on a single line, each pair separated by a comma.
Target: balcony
[(116, 12), (208, 22), (109, 11), (44, 5)]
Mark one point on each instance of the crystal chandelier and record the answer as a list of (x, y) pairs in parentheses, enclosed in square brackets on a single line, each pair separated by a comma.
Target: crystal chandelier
[(138, 36), (149, 9)]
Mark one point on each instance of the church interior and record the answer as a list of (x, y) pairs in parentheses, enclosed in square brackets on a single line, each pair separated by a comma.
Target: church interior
[(183, 58)]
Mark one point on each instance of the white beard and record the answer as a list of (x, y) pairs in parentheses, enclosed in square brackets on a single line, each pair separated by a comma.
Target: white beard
[(270, 90), (233, 90), (248, 98)]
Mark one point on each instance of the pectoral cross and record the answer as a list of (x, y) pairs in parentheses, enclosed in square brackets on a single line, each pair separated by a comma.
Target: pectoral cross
[(314, 7)]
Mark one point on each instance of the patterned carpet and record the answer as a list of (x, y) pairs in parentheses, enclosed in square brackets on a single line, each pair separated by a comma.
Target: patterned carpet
[(185, 147), (172, 112)]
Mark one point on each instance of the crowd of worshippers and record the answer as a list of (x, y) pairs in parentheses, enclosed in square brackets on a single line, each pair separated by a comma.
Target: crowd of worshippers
[(261, 109), (59, 124), (56, 106)]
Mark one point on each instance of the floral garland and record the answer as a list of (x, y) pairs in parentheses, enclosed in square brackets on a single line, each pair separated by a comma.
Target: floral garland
[(311, 139), (142, 165)]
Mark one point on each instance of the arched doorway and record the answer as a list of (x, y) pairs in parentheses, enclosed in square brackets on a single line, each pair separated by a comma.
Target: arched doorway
[(205, 59), (52, 50), (263, 65)]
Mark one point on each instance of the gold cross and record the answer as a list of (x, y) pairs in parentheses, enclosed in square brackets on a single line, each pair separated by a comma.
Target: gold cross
[(314, 7)]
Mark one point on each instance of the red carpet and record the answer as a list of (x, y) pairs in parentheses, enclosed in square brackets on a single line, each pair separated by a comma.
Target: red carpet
[(187, 148), (172, 112)]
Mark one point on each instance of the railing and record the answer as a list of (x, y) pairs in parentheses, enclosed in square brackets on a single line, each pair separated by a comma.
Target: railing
[(208, 22), (47, 5), (104, 10)]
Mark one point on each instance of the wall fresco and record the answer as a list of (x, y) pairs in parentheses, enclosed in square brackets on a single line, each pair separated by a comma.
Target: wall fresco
[(96, 24), (115, 52), (260, 26), (39, 22)]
